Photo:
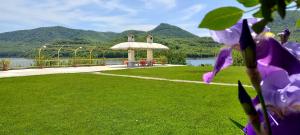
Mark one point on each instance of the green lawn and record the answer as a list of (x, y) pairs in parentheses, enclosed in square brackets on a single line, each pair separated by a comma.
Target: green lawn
[(96, 104), (228, 75)]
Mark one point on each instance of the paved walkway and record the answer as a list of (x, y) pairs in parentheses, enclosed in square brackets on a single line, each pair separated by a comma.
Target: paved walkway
[(95, 70), (170, 80), (61, 70), (44, 71)]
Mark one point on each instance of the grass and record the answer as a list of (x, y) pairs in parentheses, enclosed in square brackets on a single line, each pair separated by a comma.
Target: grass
[(228, 75), (95, 104)]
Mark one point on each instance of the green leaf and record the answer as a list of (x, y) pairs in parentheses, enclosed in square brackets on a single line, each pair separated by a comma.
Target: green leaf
[(281, 5), (237, 124), (298, 3), (298, 23), (258, 14), (266, 8), (221, 18), (259, 27), (249, 3)]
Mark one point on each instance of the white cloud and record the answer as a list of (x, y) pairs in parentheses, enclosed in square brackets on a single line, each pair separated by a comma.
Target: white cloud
[(168, 4), (191, 11), (64, 12)]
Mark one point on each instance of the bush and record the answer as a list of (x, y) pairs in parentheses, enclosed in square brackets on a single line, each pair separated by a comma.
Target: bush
[(176, 57), (163, 60), (237, 58), (5, 64)]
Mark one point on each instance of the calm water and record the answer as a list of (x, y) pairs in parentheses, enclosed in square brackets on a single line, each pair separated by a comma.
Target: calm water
[(19, 62), (24, 62), (200, 61)]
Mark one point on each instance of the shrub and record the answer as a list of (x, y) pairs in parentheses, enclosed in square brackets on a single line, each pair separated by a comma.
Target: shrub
[(163, 60), (176, 57), (237, 58), (5, 64)]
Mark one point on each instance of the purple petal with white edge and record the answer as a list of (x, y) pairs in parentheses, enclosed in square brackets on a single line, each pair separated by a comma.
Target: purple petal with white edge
[(271, 52), (294, 48), (289, 125), (224, 60), (231, 36), (282, 90)]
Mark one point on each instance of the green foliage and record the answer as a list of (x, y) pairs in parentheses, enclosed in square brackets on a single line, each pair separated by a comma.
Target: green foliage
[(260, 26), (221, 18), (176, 57), (298, 23), (163, 60), (249, 3), (237, 58), (214, 20)]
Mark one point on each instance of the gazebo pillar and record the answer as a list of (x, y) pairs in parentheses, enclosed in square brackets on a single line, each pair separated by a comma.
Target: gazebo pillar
[(149, 54), (131, 58)]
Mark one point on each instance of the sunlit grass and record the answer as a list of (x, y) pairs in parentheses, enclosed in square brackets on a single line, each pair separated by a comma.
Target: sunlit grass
[(229, 75), (95, 104)]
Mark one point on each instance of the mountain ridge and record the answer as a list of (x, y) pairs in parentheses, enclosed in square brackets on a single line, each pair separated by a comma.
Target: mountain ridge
[(53, 33)]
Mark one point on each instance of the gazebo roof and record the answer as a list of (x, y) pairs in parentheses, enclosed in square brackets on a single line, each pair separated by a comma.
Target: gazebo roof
[(138, 45)]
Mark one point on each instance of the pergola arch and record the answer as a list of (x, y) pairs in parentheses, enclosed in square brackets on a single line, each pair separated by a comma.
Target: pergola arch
[(73, 51), (131, 46)]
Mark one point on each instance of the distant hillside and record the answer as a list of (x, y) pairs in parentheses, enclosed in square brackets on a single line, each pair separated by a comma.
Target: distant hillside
[(24, 42), (50, 34), (290, 21), (57, 33), (167, 30)]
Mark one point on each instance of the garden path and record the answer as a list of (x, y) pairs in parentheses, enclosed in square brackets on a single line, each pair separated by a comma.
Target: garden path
[(170, 80)]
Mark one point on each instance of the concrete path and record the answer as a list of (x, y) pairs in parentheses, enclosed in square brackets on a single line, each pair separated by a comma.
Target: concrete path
[(96, 70), (170, 80), (45, 71)]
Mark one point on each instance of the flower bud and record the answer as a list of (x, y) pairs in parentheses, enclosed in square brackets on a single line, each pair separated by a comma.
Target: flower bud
[(248, 107), (248, 46)]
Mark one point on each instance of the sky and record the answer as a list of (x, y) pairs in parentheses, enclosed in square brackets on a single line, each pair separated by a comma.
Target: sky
[(107, 15)]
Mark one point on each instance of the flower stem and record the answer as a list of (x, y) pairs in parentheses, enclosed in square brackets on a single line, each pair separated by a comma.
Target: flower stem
[(255, 80)]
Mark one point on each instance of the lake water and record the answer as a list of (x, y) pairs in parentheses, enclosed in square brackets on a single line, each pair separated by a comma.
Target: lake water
[(200, 61), (25, 63)]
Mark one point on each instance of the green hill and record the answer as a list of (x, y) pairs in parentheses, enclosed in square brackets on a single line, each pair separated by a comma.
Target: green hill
[(170, 31), (290, 21), (50, 34), (23, 42)]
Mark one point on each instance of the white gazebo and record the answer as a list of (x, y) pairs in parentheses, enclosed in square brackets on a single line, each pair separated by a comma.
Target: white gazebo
[(131, 46)]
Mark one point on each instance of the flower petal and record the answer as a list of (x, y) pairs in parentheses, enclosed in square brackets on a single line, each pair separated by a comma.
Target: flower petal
[(271, 52), (224, 60), (231, 36), (294, 48)]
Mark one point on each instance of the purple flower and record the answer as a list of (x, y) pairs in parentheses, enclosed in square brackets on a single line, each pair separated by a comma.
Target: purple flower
[(287, 126), (271, 52), (280, 71), (293, 48), (231, 36), (224, 60)]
